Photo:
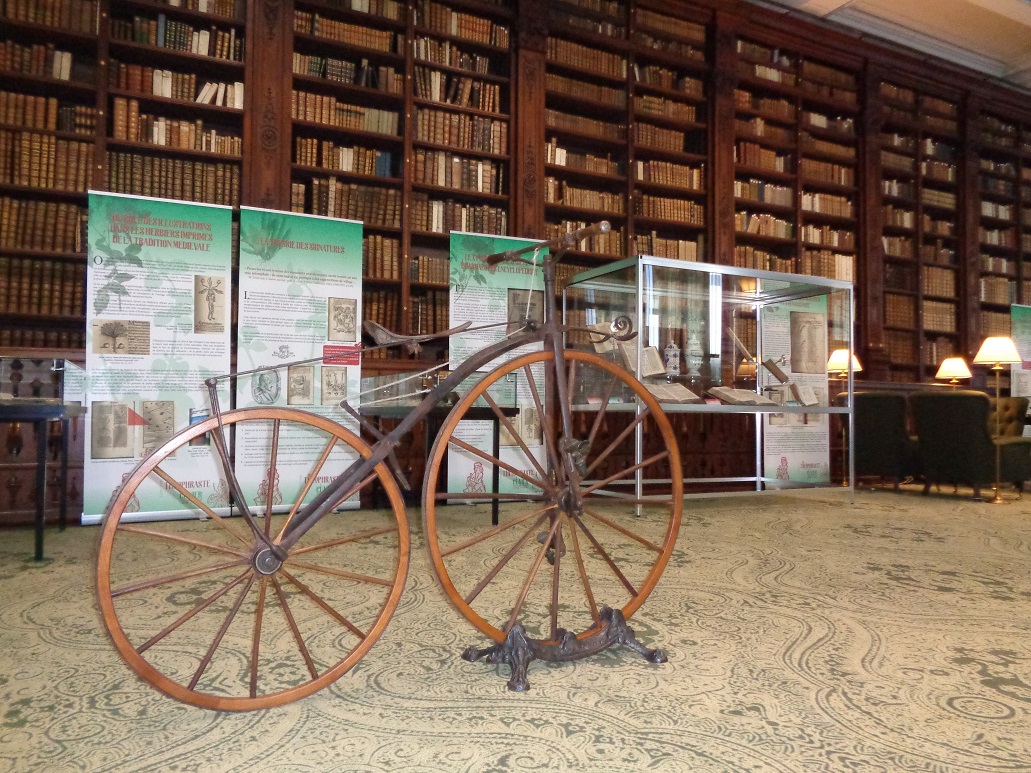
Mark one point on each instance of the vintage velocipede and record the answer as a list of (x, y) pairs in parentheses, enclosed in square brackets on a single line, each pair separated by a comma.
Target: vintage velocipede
[(263, 609)]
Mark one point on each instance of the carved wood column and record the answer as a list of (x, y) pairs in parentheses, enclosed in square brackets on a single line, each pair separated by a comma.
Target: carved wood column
[(527, 121), (968, 253), (267, 125), (869, 278), (721, 140)]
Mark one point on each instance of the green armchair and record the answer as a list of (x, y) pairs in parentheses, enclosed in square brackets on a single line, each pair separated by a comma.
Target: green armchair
[(882, 445), (956, 446)]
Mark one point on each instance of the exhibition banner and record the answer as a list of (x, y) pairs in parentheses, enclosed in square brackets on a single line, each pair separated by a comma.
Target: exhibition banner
[(501, 296), (300, 294), (157, 325), (1020, 375), (796, 446)]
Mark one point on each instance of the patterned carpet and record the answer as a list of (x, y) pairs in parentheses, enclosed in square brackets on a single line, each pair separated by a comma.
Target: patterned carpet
[(806, 632)]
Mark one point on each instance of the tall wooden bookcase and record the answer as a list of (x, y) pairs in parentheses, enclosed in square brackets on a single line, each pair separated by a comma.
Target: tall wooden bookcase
[(699, 128)]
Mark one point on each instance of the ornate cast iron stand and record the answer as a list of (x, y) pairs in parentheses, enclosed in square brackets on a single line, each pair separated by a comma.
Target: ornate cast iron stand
[(518, 649)]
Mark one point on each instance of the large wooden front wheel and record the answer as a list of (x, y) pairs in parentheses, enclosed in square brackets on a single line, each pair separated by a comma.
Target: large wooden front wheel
[(583, 523), (197, 609)]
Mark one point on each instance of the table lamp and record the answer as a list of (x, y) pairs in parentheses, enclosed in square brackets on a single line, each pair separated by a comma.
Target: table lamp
[(953, 369), (838, 363), (997, 351)]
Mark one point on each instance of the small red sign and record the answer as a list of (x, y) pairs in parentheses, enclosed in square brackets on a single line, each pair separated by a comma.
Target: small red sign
[(341, 355)]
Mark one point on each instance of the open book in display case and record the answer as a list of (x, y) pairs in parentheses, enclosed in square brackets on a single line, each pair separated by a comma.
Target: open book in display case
[(721, 344)]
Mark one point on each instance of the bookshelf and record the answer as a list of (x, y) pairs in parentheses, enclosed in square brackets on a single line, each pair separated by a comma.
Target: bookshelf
[(48, 116), (921, 229), (795, 163)]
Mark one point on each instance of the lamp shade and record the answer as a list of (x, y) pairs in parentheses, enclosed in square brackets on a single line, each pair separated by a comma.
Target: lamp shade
[(953, 368), (838, 362), (997, 350)]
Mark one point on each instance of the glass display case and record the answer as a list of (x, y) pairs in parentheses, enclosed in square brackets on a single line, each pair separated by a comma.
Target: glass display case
[(719, 340)]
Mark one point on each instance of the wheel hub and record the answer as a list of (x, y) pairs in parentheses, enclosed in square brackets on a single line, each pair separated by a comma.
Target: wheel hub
[(265, 561)]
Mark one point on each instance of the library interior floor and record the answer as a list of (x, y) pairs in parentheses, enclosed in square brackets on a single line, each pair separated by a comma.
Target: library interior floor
[(821, 630)]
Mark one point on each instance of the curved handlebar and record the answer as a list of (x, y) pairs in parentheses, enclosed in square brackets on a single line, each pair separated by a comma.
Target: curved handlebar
[(566, 241)]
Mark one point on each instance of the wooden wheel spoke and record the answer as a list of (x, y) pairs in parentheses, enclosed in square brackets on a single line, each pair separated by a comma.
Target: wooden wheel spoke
[(605, 556), (172, 578), (491, 459), (310, 481), (345, 540), (617, 441), (494, 532), (325, 606), (524, 590), (622, 530), (624, 473), (189, 614), (259, 615), (294, 629), (164, 535), (518, 438), (556, 563), (582, 571), (273, 459), (501, 562), (546, 426), (230, 616), (610, 387), (471, 497), (200, 505), (342, 573)]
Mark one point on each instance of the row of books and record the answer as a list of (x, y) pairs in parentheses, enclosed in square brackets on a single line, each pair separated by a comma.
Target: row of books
[(595, 92), (228, 9), (764, 192), (747, 256), (39, 60), (357, 159), (664, 78), (173, 178), (382, 306), (358, 35), (828, 263), (661, 107), (560, 192), (571, 122), (430, 269), (824, 171), (27, 224), (458, 90), (42, 339), (828, 236), (589, 58), (760, 128), (585, 162), (443, 216), (658, 137), (467, 132), (382, 77), (661, 247), (44, 161), (42, 287), (939, 316), (373, 206), (814, 145), (941, 281), (668, 173), (450, 55), (142, 79), (175, 35), (440, 18), (771, 107), (756, 156), (670, 25), (431, 312), (899, 310), (381, 257), (827, 204), (680, 211), (31, 111), (448, 170), (74, 15), (762, 224), (611, 243), (129, 124), (328, 111)]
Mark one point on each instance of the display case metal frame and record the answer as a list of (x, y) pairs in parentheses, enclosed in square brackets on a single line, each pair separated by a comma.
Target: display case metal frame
[(734, 287)]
